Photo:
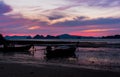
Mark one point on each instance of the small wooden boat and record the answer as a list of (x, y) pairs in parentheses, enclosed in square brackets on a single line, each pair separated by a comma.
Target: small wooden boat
[(8, 47), (60, 52), (16, 49)]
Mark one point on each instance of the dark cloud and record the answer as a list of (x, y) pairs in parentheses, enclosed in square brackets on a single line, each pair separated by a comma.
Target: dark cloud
[(80, 22), (102, 21), (4, 8), (53, 17), (55, 14)]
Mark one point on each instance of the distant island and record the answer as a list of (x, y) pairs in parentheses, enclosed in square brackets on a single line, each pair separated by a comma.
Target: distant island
[(62, 36), (111, 37)]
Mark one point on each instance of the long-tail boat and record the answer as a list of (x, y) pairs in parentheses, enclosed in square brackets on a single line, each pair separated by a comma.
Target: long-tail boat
[(7, 47), (16, 49), (60, 52)]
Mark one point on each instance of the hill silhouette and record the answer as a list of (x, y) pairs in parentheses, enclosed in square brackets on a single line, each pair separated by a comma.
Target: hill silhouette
[(111, 37), (62, 36)]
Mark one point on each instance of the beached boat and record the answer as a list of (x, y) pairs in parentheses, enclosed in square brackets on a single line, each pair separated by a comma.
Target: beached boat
[(16, 49), (60, 52), (9, 47)]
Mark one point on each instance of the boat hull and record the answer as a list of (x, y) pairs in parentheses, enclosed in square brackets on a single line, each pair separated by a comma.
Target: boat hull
[(16, 49), (61, 53)]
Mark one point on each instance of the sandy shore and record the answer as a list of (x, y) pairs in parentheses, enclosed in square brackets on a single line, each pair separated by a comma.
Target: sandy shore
[(21, 70)]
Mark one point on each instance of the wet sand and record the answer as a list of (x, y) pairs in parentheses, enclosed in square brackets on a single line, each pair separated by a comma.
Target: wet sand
[(22, 70)]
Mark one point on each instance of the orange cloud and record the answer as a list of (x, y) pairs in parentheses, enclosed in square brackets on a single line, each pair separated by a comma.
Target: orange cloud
[(34, 27)]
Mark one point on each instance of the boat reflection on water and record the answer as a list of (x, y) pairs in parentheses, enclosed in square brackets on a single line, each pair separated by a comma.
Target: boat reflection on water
[(60, 52)]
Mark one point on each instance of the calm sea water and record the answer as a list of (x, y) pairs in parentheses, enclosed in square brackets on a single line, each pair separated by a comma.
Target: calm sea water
[(77, 40), (93, 58)]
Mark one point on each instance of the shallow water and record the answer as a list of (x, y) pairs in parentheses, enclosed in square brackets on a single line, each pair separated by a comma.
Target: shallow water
[(75, 40), (93, 58)]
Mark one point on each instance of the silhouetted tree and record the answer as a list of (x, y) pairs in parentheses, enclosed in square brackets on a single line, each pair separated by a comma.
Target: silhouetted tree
[(3, 41)]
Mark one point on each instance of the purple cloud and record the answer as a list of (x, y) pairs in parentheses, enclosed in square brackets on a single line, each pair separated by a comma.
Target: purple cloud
[(106, 3), (55, 16), (80, 22), (4, 8), (101, 3), (20, 25)]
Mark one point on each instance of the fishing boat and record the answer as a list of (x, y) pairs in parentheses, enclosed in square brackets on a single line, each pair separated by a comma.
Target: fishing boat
[(16, 49), (9, 47), (60, 52)]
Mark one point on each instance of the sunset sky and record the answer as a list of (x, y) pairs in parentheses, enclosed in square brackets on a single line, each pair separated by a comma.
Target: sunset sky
[(55, 17)]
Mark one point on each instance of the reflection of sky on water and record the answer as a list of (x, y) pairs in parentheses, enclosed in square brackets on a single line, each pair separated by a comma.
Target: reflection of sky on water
[(99, 56), (85, 57)]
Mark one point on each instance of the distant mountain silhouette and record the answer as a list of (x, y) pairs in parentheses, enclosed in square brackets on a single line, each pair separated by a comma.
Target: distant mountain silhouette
[(38, 36), (18, 37), (42, 37), (67, 36), (111, 37), (51, 37), (62, 36)]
